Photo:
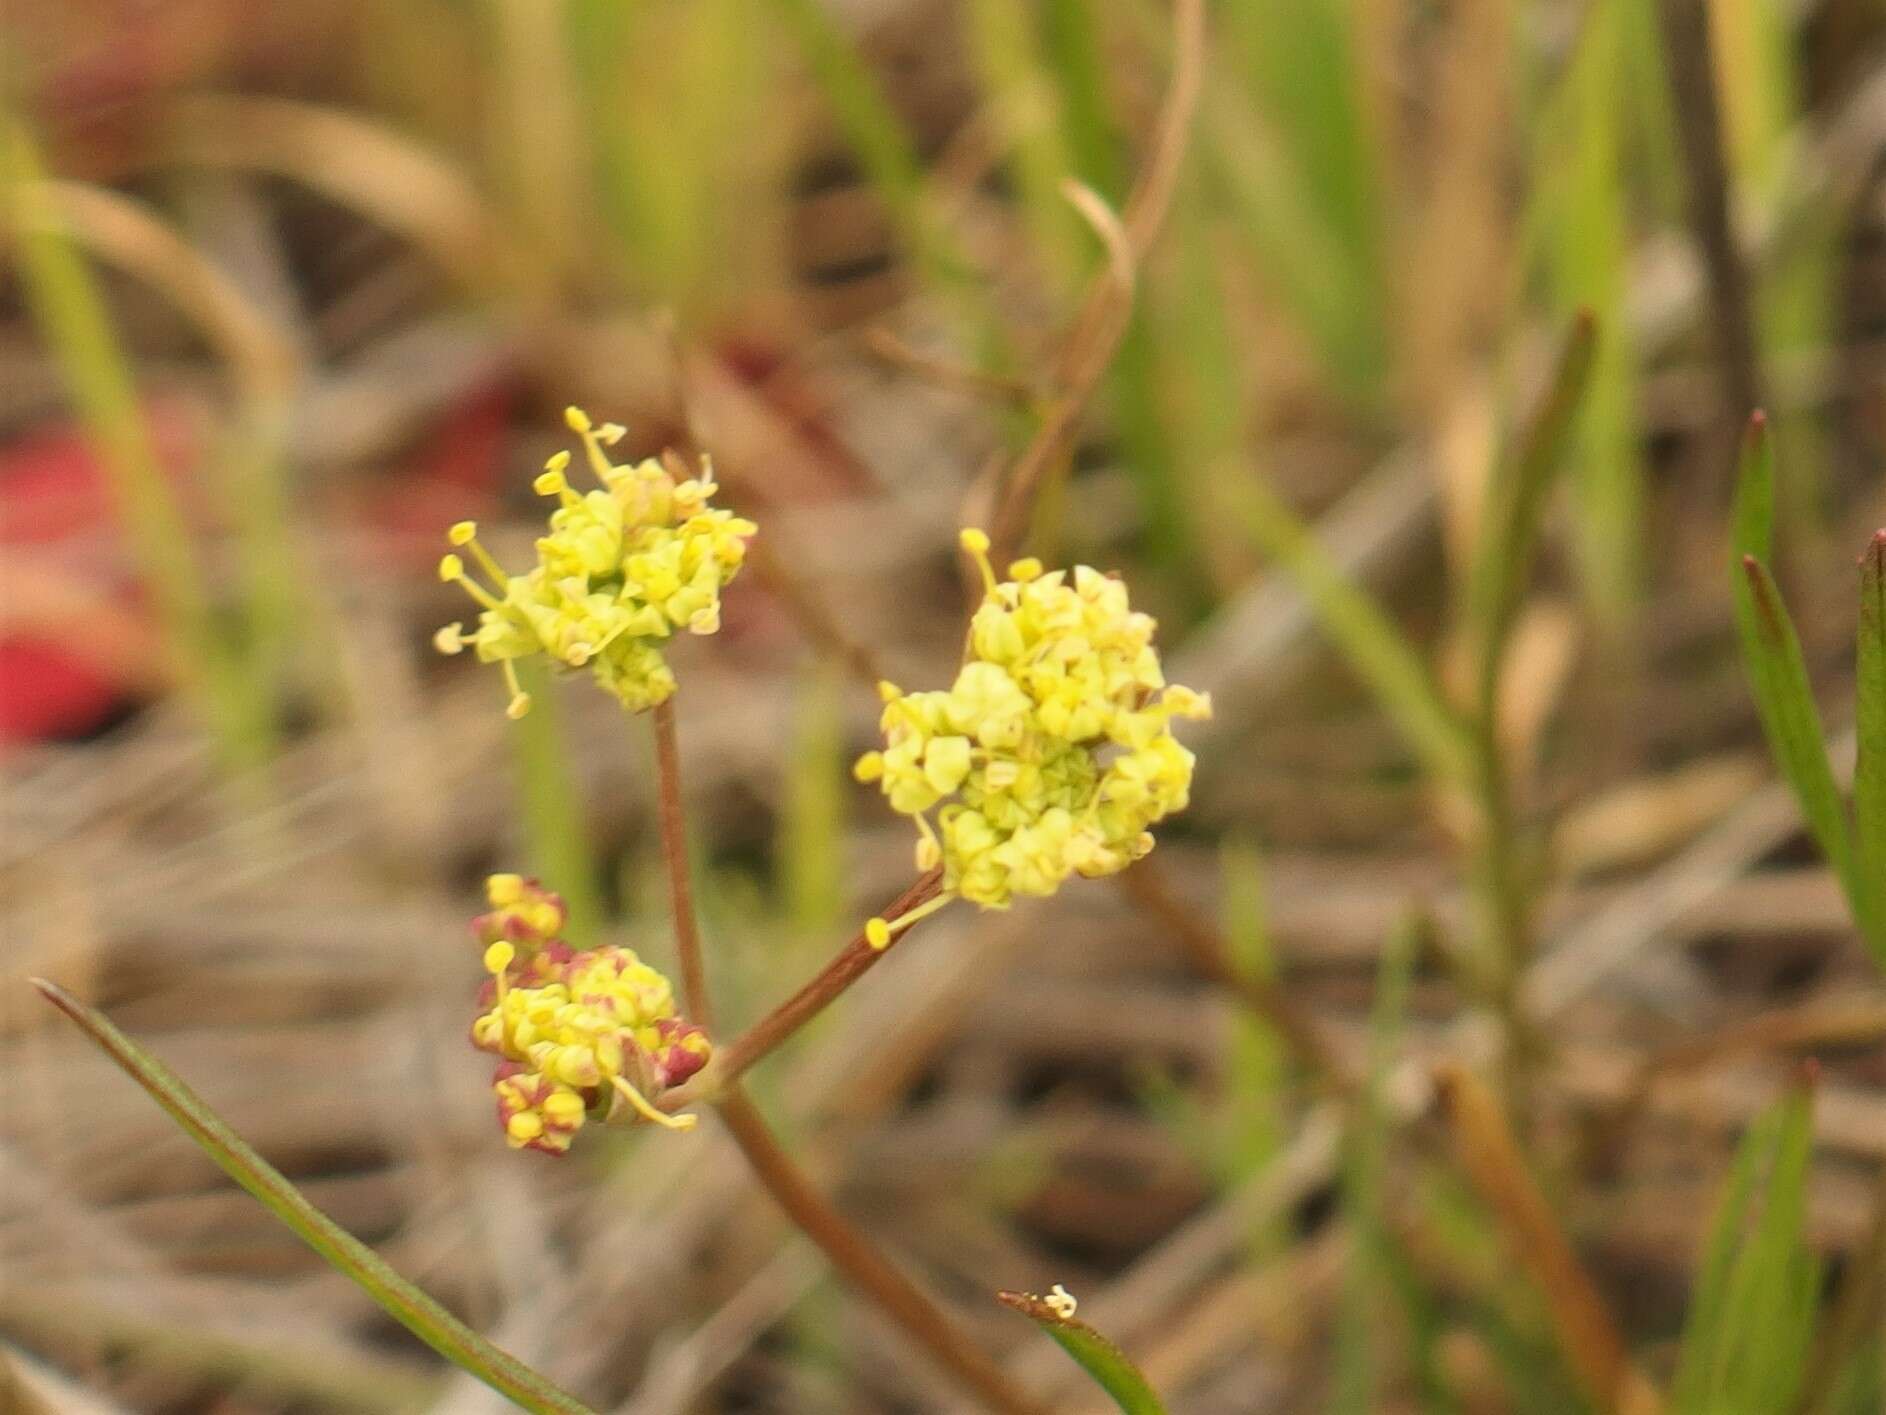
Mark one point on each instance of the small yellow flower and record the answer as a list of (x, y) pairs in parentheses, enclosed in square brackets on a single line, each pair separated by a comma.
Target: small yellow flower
[(623, 568), (579, 1036), (1051, 753)]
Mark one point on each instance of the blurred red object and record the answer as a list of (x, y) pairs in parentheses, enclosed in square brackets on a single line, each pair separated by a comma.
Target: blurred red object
[(76, 645)]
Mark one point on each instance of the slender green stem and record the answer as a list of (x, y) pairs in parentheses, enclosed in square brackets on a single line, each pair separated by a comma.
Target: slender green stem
[(555, 837), (414, 1309)]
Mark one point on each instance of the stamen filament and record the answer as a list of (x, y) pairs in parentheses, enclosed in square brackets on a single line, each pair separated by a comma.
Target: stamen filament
[(976, 543), (486, 563), (452, 571), (879, 932), (520, 700), (648, 1112)]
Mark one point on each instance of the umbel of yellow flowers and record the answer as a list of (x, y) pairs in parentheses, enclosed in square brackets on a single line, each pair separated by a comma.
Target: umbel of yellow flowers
[(578, 1036), (1051, 754), (624, 566)]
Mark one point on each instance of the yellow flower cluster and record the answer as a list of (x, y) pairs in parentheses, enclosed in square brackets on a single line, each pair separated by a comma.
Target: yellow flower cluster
[(1052, 752), (579, 1036), (623, 568)]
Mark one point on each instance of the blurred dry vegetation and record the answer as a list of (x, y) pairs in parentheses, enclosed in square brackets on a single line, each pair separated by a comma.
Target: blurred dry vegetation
[(355, 259)]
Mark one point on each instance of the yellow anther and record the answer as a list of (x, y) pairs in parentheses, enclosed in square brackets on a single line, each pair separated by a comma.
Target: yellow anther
[(877, 933), (976, 542), (451, 568), (576, 419), (499, 956), (520, 700), (1025, 570), (504, 889), (523, 1127), (869, 767), (888, 691), (450, 639), (463, 533)]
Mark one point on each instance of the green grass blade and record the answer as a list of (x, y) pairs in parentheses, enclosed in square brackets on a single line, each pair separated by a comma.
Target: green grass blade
[(1359, 1325), (875, 132), (1516, 506), (1072, 45), (1581, 218), (1751, 1319), (1752, 525), (405, 1303), (1377, 652), (1778, 677), (67, 307), (1869, 774), (556, 839), (812, 811), (1027, 108), (1777, 672), (1251, 1127), (1113, 1371)]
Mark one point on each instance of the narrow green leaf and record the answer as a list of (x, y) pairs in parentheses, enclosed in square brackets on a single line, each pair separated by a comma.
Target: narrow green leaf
[(1777, 672), (1746, 1344), (812, 814), (1516, 503), (556, 836), (1581, 219), (1358, 1333), (1249, 1125), (405, 1303), (1869, 774), (1377, 652), (1752, 530), (1784, 697), (1113, 1371)]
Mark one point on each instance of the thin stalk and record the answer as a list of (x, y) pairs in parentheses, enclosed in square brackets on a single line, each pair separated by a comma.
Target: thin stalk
[(850, 963), (853, 1254), (674, 850), (407, 1304), (864, 1265)]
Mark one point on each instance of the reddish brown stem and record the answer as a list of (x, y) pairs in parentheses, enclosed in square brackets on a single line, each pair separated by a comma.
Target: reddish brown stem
[(864, 1265), (674, 850), (851, 962), (849, 1250)]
